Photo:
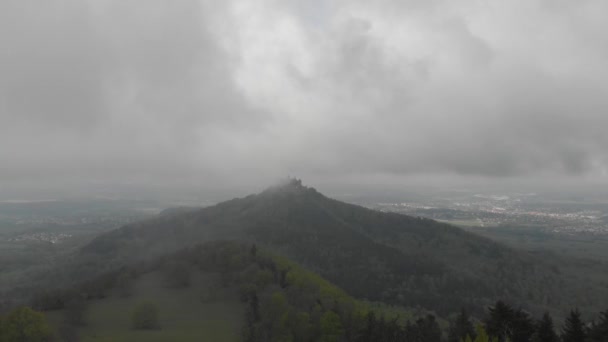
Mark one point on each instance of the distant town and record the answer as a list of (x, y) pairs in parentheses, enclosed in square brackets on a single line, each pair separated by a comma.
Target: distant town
[(488, 211)]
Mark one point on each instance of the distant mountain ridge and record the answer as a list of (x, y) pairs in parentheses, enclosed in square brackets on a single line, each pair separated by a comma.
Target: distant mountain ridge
[(387, 257)]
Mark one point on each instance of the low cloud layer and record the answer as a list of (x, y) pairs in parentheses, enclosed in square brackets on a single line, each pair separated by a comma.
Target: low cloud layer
[(242, 91)]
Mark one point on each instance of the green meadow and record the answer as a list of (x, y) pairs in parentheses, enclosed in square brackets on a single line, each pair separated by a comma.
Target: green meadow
[(183, 314)]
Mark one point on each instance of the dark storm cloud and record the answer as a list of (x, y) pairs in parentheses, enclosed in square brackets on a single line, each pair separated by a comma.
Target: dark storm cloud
[(160, 91)]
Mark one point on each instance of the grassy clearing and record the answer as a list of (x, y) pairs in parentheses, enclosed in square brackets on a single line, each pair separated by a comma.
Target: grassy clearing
[(183, 315)]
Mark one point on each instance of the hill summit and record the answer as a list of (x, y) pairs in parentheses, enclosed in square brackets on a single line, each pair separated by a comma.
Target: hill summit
[(289, 184)]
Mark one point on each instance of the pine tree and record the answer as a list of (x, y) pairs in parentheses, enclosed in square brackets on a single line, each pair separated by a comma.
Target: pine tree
[(370, 329), (410, 332), (429, 329), (381, 329), (522, 327), (461, 328), (498, 324), (545, 331), (574, 330), (394, 332), (599, 329)]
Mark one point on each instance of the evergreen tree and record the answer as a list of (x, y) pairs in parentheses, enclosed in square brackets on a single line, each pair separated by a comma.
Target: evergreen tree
[(410, 333), (545, 331), (574, 330), (303, 330), (522, 327), (498, 324), (252, 315), (370, 329), (428, 329), (599, 329), (461, 327), (381, 333), (394, 332)]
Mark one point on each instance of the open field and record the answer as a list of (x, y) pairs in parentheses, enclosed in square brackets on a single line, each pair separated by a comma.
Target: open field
[(183, 315)]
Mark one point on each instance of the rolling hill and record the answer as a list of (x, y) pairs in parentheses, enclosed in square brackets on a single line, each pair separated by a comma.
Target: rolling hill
[(220, 291), (378, 256)]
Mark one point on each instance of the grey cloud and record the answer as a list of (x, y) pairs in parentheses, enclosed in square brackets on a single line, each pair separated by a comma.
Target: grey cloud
[(507, 116), (114, 90), (50, 73), (197, 91)]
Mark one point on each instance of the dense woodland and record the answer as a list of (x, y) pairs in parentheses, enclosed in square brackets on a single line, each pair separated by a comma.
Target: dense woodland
[(392, 258), (284, 302), (389, 272)]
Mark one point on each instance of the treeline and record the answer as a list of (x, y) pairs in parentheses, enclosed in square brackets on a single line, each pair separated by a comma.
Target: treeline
[(287, 303), (504, 323), (284, 302)]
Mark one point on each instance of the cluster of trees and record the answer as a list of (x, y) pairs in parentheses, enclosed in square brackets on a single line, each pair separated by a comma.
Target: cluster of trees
[(383, 330), (23, 324), (287, 303), (504, 323), (284, 302)]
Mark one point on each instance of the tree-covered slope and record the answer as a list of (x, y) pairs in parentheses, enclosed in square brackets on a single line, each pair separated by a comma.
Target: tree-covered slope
[(379, 256), (231, 291), (221, 291)]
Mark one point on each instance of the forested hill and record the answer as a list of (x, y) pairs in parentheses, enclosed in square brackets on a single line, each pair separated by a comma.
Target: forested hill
[(216, 291), (388, 257)]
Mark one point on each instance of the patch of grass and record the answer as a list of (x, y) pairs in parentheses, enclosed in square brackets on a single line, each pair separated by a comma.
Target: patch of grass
[(182, 314)]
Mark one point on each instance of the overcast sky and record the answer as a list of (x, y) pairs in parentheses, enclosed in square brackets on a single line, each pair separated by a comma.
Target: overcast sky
[(244, 92)]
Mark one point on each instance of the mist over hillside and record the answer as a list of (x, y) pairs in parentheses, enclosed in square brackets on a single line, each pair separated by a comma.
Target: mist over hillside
[(454, 156), (398, 259)]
